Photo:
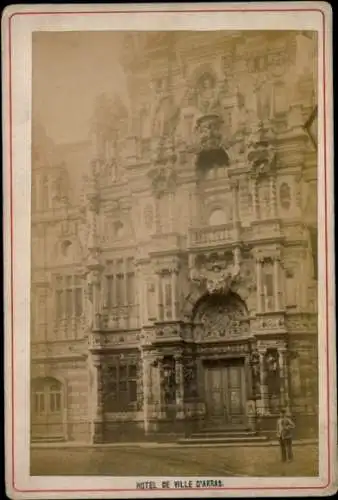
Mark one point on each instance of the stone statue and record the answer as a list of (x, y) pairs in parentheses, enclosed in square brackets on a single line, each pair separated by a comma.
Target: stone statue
[(207, 99)]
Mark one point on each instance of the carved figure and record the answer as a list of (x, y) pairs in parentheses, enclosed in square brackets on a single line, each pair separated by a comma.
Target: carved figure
[(207, 99), (208, 132), (255, 368)]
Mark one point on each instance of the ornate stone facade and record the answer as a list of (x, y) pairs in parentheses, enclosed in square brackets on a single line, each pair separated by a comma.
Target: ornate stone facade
[(177, 287)]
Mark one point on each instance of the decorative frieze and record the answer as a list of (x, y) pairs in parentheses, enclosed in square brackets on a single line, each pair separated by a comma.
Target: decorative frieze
[(268, 323)]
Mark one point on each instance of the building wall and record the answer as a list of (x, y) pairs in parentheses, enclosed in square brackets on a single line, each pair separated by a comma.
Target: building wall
[(123, 245)]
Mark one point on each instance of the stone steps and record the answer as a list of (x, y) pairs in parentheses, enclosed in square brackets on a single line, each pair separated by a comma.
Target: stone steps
[(222, 436)]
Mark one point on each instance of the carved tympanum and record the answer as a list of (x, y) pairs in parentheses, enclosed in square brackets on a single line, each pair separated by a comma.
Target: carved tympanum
[(221, 316)]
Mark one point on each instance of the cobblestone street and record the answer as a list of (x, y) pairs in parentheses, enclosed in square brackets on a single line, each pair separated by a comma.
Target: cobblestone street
[(174, 461)]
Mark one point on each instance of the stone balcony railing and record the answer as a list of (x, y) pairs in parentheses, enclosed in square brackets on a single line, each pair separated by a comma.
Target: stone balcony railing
[(213, 236), (109, 340)]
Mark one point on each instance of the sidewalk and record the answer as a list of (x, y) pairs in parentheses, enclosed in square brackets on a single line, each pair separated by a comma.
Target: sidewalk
[(76, 444)]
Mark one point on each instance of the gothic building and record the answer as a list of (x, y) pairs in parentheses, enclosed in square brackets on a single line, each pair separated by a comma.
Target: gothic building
[(174, 282)]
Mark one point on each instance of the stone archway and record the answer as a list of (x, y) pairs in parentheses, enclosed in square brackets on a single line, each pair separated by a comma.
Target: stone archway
[(220, 316), (221, 327)]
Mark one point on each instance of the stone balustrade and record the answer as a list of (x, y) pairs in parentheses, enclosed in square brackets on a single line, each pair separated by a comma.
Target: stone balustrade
[(213, 236), (102, 340)]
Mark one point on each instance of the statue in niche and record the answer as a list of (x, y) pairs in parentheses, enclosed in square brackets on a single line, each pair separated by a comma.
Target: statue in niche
[(169, 381), (207, 99), (272, 378), (255, 369), (190, 378)]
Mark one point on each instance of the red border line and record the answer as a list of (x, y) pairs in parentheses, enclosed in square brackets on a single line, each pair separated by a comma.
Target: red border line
[(168, 11)]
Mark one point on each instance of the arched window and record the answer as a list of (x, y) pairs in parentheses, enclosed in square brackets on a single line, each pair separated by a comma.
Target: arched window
[(217, 217)]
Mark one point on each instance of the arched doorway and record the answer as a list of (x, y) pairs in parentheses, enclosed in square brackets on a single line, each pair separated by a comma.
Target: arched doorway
[(223, 326), (47, 409)]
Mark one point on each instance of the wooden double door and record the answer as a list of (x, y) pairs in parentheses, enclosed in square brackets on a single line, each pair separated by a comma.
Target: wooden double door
[(225, 392)]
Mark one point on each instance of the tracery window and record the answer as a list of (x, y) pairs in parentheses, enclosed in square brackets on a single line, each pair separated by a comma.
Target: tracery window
[(68, 296), (120, 283), (268, 286), (120, 386), (46, 397)]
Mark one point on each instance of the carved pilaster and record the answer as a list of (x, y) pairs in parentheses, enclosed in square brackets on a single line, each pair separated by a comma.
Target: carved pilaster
[(273, 196), (254, 195), (235, 200), (96, 399), (159, 296), (179, 379), (146, 369), (277, 282), (263, 388), (259, 278), (174, 294)]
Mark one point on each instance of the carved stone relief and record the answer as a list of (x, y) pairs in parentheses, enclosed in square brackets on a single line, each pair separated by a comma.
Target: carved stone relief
[(221, 317)]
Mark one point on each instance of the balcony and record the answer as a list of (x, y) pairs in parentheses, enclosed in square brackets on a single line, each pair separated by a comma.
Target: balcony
[(214, 236)]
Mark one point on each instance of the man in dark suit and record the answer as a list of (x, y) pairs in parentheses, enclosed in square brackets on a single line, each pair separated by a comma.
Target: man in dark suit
[(284, 434)]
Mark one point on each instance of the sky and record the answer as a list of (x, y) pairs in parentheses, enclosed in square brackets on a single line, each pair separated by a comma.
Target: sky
[(70, 69)]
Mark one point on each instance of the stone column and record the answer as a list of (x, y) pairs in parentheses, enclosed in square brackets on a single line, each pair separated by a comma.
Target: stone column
[(95, 283), (157, 216), (237, 257), (63, 330), (146, 365), (96, 404), (171, 212), (160, 392), (174, 294), (263, 403), (259, 308), (277, 283), (286, 380), (234, 189), (125, 275), (281, 354), (254, 195), (250, 396), (273, 197), (159, 297), (179, 379), (141, 297)]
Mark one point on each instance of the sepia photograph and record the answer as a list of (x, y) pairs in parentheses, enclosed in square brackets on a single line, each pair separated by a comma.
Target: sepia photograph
[(169, 251), (174, 253)]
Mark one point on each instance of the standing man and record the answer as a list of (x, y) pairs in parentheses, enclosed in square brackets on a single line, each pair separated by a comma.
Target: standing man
[(284, 434)]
